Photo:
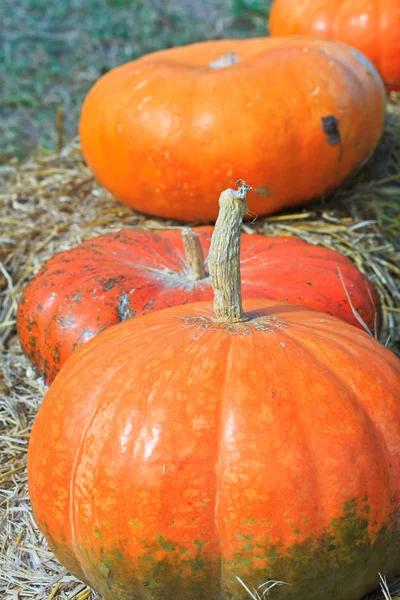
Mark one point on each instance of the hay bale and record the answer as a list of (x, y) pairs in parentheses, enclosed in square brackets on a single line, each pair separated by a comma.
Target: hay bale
[(51, 202)]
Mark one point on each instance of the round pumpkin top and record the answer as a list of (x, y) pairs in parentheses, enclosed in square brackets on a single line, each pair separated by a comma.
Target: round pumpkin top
[(108, 279), (371, 26), (165, 133)]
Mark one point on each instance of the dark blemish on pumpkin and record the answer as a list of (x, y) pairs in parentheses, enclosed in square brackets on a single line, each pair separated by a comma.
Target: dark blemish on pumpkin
[(149, 304), (56, 355), (125, 312), (47, 371), (331, 547), (109, 284), (262, 191), (330, 126), (309, 283)]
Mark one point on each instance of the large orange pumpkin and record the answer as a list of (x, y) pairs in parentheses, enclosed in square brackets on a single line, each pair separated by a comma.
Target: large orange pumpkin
[(165, 133), (371, 26), (180, 450), (103, 281)]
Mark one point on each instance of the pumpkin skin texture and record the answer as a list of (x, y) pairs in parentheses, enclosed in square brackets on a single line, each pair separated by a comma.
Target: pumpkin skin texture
[(165, 133), (173, 453), (371, 26), (80, 292)]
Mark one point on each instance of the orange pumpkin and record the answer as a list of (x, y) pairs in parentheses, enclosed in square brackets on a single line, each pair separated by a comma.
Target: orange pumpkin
[(181, 450), (165, 133), (371, 26), (103, 281)]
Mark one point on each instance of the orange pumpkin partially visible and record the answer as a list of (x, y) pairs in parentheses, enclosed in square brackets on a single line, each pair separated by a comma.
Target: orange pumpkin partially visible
[(183, 449), (371, 26), (166, 132), (105, 280)]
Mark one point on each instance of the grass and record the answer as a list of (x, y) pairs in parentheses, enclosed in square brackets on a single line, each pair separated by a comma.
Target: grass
[(52, 51), (385, 589), (262, 590)]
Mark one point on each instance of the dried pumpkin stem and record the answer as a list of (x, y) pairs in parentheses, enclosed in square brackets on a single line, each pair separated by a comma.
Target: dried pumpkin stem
[(194, 254), (224, 256)]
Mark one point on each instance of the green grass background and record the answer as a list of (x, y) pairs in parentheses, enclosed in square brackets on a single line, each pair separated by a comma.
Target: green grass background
[(52, 51)]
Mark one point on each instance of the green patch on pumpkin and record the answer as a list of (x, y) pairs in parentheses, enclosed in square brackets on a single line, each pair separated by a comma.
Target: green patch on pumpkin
[(98, 534), (135, 523), (342, 563)]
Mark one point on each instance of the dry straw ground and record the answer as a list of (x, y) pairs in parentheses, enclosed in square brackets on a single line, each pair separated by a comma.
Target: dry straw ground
[(50, 203)]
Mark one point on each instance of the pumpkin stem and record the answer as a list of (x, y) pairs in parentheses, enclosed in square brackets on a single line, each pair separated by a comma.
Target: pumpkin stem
[(194, 254), (224, 255)]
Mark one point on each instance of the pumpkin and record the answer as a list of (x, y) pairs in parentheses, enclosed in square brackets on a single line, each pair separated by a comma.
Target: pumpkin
[(371, 26), (105, 280), (165, 133), (186, 448)]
